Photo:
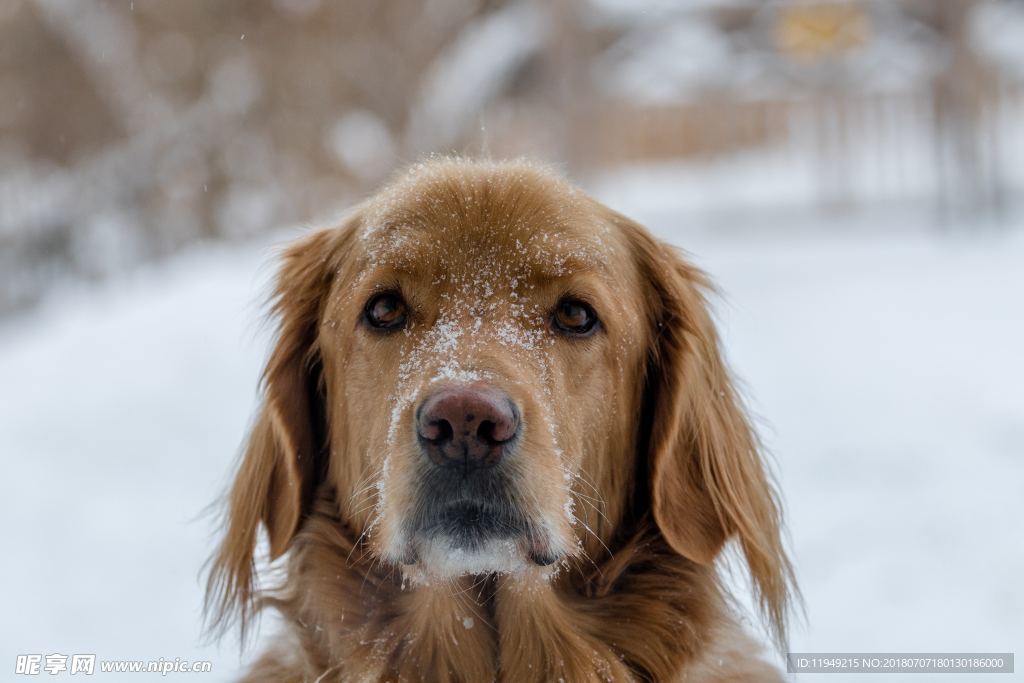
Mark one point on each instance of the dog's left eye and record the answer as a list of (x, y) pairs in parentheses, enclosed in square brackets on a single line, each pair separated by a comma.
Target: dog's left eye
[(385, 311), (574, 318)]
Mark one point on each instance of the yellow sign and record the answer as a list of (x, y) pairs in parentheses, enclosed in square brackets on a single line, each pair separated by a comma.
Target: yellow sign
[(810, 32)]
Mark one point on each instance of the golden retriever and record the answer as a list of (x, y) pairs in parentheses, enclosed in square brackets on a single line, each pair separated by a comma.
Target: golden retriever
[(498, 441)]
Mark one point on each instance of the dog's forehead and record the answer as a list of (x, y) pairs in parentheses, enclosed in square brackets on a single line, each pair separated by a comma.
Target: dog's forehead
[(503, 223)]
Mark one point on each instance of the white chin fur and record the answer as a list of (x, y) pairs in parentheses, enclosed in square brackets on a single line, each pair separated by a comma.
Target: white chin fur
[(440, 559)]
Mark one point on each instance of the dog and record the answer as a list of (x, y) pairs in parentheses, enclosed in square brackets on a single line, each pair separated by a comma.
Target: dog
[(498, 441)]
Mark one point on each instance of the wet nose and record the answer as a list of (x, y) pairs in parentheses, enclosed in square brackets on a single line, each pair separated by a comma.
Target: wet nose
[(467, 426)]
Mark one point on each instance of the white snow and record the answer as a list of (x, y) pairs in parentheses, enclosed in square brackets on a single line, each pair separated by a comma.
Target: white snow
[(885, 366), (121, 412)]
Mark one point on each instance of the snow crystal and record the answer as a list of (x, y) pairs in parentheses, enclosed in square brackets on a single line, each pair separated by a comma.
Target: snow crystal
[(446, 335), (568, 508), (452, 372)]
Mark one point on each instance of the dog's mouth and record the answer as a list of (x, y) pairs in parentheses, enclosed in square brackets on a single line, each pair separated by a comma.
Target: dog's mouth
[(476, 530), (470, 523)]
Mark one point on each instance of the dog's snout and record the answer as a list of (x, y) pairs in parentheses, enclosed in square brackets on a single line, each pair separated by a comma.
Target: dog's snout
[(469, 426)]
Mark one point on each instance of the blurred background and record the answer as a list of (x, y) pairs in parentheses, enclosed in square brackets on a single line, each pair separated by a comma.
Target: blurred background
[(850, 172)]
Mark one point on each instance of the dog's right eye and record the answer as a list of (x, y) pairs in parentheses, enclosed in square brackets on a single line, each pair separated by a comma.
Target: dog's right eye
[(386, 311)]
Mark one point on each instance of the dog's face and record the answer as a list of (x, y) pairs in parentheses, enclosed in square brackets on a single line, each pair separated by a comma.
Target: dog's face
[(482, 345), (484, 370)]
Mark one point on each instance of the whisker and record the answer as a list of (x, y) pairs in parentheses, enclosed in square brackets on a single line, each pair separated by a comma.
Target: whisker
[(587, 501), (328, 670), (596, 537), (359, 540), (369, 505), (367, 483), (583, 478)]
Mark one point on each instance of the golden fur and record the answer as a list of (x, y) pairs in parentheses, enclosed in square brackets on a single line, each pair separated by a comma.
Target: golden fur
[(637, 454)]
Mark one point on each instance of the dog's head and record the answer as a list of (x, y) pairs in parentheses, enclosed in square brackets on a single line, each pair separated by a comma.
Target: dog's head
[(489, 371)]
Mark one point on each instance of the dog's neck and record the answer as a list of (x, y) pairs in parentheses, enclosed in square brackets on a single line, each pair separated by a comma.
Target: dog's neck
[(636, 615)]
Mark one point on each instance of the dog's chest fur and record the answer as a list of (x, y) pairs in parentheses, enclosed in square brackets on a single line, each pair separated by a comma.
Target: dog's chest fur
[(646, 615)]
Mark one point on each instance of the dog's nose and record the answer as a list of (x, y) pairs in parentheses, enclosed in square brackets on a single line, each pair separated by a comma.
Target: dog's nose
[(467, 426)]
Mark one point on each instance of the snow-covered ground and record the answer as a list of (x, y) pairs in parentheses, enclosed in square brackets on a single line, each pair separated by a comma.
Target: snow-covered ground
[(886, 368)]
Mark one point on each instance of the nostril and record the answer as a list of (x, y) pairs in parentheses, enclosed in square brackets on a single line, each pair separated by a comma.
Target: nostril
[(499, 430), (437, 431), (485, 432)]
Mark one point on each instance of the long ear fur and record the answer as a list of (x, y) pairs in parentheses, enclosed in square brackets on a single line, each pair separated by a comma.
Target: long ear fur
[(282, 461), (707, 479)]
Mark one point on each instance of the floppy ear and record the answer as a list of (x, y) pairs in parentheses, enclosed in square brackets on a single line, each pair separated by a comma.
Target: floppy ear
[(707, 479), (281, 464)]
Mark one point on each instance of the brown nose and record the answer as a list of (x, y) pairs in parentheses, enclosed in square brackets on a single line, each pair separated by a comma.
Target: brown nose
[(467, 426)]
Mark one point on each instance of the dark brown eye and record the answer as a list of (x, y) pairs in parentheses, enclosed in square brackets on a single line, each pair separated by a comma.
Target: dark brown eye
[(574, 318), (385, 311)]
